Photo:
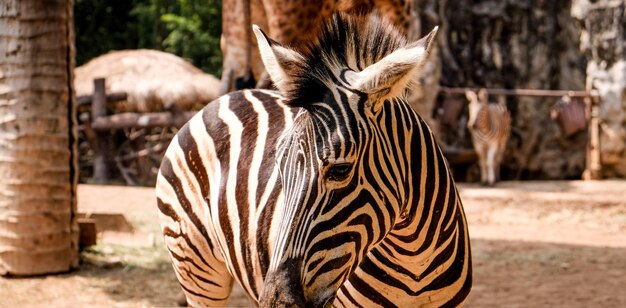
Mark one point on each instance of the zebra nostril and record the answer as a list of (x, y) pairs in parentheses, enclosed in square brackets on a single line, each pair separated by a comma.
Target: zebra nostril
[(329, 302)]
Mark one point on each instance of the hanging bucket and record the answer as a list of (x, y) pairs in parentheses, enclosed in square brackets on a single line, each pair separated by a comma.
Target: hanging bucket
[(570, 115), (451, 109)]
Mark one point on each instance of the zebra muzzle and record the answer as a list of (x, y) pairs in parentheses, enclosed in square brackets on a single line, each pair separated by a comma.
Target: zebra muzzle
[(282, 287)]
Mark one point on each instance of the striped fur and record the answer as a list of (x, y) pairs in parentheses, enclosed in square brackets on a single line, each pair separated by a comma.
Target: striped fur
[(490, 127), (332, 192)]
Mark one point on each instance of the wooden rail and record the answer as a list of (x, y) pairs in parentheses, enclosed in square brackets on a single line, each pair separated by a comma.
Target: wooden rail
[(522, 92), (86, 100), (140, 120)]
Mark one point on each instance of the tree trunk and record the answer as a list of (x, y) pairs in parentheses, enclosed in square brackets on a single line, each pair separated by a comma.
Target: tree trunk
[(38, 171)]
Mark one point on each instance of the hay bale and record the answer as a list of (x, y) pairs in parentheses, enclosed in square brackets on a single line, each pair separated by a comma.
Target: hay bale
[(154, 80)]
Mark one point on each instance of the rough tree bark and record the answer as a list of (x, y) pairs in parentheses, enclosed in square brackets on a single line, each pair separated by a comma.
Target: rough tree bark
[(38, 230)]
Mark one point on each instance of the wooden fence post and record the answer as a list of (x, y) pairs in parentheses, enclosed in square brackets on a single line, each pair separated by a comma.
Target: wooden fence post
[(593, 164), (99, 109)]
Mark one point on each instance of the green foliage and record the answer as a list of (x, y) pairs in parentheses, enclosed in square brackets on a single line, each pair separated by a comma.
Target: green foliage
[(194, 33), (190, 29)]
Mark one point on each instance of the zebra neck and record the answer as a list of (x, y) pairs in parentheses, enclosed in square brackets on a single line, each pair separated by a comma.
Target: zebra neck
[(487, 120)]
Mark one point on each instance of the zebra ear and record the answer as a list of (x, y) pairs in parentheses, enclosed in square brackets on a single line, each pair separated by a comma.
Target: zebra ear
[(471, 96), (280, 62), (390, 76)]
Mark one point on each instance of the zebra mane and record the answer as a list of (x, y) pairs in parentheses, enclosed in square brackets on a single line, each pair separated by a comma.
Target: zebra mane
[(353, 42)]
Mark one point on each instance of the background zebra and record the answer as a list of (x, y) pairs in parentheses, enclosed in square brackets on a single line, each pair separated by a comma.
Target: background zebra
[(332, 190), (490, 127)]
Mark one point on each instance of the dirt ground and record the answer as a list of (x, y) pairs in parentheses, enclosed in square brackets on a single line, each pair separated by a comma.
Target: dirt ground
[(534, 244)]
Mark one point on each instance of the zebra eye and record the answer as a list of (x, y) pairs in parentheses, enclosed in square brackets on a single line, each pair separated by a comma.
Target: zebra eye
[(338, 172)]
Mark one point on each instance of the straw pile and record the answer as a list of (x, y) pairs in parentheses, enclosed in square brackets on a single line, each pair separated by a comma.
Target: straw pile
[(153, 80)]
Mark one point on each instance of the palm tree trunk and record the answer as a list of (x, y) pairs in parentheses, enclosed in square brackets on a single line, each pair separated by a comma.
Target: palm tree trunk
[(38, 171)]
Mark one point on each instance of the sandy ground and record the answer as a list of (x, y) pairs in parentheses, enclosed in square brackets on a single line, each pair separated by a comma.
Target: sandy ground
[(534, 244)]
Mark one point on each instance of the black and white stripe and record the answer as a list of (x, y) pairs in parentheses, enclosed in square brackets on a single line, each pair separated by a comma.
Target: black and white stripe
[(332, 192), (490, 128)]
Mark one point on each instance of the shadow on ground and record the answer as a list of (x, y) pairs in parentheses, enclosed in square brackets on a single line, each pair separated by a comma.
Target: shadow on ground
[(506, 274), (155, 285), (532, 274), (534, 244)]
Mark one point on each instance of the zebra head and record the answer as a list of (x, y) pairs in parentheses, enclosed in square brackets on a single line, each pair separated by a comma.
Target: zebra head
[(343, 163), (477, 103)]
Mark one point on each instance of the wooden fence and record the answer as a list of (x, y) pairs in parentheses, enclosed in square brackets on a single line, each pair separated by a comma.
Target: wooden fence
[(98, 125)]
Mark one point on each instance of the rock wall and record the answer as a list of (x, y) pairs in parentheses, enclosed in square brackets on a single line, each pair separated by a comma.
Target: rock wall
[(514, 44), (603, 40)]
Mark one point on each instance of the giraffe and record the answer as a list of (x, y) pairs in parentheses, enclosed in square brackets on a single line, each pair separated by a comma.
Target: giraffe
[(291, 22)]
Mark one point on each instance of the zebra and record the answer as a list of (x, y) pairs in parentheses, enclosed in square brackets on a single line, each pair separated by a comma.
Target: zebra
[(329, 191), (490, 128)]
